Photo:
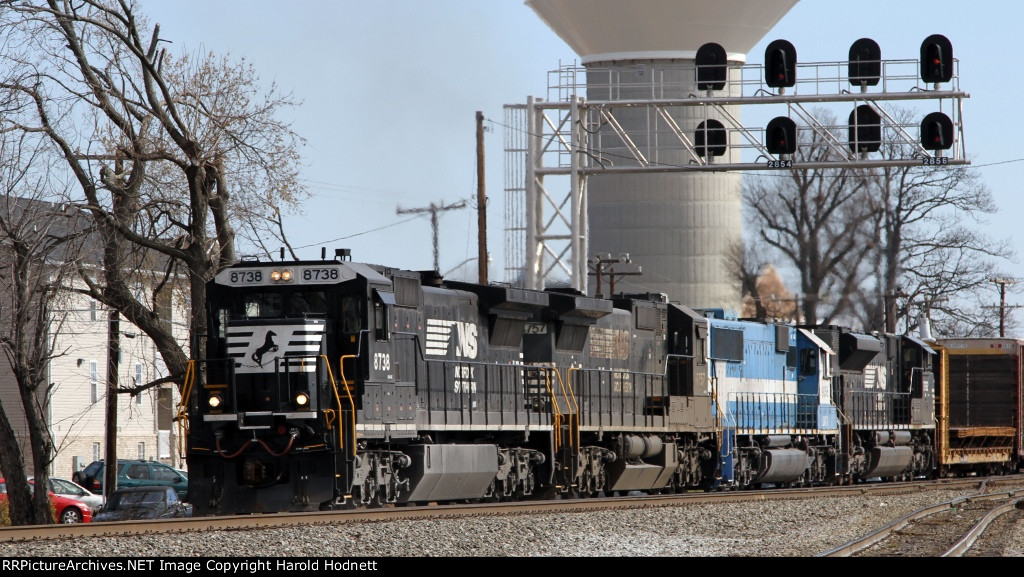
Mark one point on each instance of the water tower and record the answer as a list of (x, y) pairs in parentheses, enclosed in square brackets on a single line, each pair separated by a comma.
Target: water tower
[(678, 226)]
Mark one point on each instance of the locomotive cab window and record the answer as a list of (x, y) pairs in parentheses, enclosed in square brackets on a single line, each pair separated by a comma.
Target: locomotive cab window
[(350, 314), (380, 313), (380, 321), (701, 352), (263, 305), (223, 314), (808, 361), (312, 303)]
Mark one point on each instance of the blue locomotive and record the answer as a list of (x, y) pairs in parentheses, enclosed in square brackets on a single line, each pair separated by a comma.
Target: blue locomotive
[(773, 383)]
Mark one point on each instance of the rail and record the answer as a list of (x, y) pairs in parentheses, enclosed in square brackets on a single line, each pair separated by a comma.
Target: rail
[(873, 538)]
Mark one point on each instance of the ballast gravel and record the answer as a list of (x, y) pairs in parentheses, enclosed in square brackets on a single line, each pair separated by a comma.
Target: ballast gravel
[(786, 528)]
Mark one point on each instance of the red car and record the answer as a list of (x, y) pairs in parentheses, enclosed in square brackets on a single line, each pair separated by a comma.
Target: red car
[(66, 510)]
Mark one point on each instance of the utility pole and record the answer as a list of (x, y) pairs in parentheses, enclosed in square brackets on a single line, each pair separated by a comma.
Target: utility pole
[(113, 359), (481, 202), (604, 264), (433, 209), (891, 308), (1002, 303)]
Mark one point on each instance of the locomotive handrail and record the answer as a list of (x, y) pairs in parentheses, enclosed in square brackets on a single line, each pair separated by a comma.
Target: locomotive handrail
[(417, 345), (330, 414), (576, 406), (358, 354), (773, 412), (188, 383), (720, 415), (348, 393), (555, 409), (877, 408)]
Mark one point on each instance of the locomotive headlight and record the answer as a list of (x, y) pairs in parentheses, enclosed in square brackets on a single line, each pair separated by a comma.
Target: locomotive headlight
[(281, 275), (301, 399), (214, 401)]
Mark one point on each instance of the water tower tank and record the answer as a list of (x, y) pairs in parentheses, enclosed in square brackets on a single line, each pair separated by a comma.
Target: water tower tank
[(679, 227)]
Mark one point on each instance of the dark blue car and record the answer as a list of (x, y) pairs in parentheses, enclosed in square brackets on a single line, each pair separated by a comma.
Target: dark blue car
[(134, 473), (131, 503)]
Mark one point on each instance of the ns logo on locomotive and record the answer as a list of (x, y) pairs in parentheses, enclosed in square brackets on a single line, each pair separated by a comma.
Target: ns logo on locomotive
[(328, 384)]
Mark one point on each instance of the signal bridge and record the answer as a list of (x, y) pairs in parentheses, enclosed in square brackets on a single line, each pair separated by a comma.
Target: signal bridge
[(876, 119), (683, 116)]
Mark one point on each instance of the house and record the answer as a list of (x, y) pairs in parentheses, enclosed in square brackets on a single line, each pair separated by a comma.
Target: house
[(79, 328), (145, 427)]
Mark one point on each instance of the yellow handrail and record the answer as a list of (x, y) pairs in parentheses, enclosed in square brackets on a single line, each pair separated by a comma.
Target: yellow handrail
[(348, 394), (328, 413), (186, 391), (556, 412), (575, 402)]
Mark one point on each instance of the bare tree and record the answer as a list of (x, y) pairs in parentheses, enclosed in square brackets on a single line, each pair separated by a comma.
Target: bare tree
[(167, 154), (816, 220), (37, 249), (883, 243), (929, 254), (746, 265)]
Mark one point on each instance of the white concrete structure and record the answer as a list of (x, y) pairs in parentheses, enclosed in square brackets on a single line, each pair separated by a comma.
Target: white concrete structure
[(677, 226)]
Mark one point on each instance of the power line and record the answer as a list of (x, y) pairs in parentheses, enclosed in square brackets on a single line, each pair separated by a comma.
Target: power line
[(358, 233)]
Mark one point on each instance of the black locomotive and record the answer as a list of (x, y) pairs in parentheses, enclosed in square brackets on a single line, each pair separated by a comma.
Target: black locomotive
[(331, 383)]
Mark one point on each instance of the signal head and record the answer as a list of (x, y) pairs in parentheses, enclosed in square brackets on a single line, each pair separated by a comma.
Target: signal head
[(780, 64), (780, 135), (711, 67), (936, 59), (936, 132)]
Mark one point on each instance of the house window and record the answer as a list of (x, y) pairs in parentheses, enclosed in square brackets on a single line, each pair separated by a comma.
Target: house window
[(95, 451), (94, 380), (138, 382), (92, 310), (142, 451)]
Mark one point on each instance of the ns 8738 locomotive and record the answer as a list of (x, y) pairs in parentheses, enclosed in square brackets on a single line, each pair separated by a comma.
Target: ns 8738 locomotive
[(333, 383)]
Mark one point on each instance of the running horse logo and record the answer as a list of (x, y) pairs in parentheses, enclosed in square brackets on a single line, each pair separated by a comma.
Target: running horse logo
[(269, 346)]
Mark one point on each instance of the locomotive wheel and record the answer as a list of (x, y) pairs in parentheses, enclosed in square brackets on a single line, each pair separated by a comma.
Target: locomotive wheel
[(354, 502), (375, 502)]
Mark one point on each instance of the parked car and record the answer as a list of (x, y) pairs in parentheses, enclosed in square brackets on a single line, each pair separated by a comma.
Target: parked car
[(132, 503), (133, 473), (66, 510), (72, 490)]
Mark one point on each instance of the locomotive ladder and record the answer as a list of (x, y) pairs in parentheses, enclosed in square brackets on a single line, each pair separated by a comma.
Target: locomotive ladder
[(337, 419), (341, 407), (182, 412), (566, 431)]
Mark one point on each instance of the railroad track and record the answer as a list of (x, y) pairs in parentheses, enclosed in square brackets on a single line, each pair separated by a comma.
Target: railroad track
[(956, 528), (392, 513)]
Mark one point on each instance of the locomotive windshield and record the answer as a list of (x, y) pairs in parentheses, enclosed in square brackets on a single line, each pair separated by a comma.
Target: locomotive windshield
[(255, 305), (265, 305)]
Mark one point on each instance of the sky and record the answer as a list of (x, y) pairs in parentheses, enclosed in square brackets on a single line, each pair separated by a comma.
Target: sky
[(390, 90)]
